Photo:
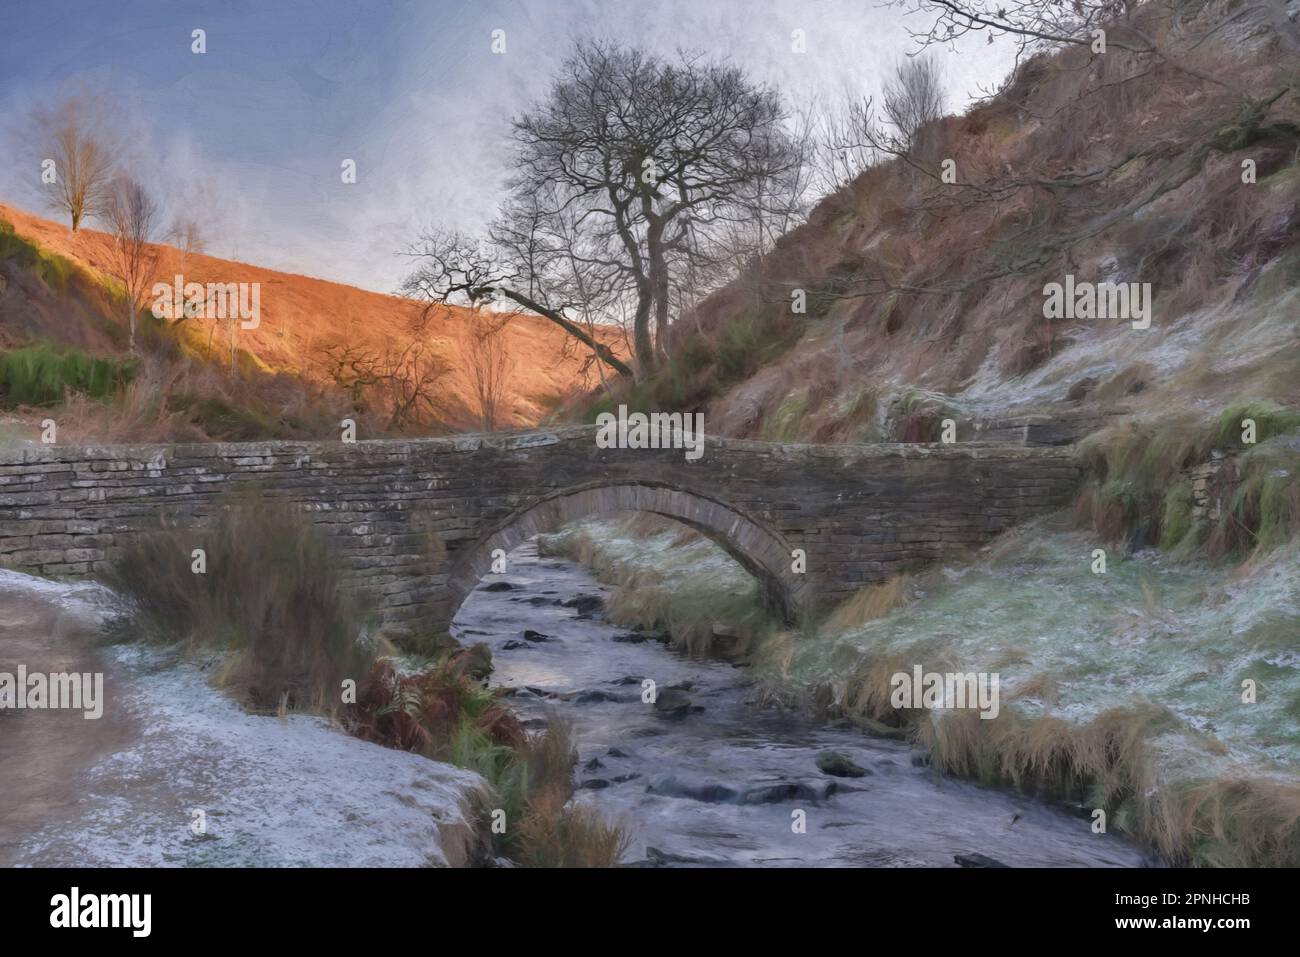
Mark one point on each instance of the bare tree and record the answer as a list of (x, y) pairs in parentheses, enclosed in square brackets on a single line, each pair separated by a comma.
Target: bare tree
[(133, 219), (489, 366), (645, 153), (187, 236), (73, 137), (848, 137), (913, 98), (352, 368), (195, 204), (768, 206), (403, 381), (842, 137), (411, 375)]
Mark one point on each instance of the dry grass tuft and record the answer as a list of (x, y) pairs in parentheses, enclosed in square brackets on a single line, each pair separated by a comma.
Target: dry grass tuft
[(555, 833), (1106, 763), (271, 598), (869, 604)]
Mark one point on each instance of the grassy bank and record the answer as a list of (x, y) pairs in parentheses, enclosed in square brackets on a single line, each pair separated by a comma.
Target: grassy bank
[(258, 595), (1141, 491), (41, 375)]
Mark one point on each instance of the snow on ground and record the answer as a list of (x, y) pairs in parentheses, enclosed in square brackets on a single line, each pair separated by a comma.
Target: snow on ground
[(91, 602), (292, 792)]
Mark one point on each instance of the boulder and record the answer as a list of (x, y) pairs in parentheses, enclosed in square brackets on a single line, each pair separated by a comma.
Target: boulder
[(586, 605), (673, 703), (838, 764)]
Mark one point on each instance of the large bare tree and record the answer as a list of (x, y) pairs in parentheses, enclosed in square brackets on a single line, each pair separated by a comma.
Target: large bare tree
[(651, 158), (76, 155)]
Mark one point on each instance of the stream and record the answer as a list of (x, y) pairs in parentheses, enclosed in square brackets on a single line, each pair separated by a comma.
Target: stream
[(713, 780)]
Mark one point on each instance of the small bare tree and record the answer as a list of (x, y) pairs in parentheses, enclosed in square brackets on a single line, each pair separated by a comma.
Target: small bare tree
[(187, 236), (489, 366), (133, 219), (403, 381), (411, 375), (913, 98), (849, 137), (73, 137), (842, 137), (352, 368)]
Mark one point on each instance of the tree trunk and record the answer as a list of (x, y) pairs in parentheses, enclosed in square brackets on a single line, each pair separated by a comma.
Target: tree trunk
[(602, 351), (659, 287), (646, 358)]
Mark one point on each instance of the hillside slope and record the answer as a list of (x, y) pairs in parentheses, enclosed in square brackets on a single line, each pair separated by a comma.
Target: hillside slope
[(55, 287), (925, 299)]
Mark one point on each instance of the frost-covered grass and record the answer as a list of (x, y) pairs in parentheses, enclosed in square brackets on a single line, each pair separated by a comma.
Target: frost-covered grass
[(1140, 490), (270, 597), (669, 579), (1073, 644), (1123, 690), (1127, 689), (1193, 359)]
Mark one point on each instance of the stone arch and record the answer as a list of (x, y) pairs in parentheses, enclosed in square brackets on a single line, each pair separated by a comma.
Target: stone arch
[(761, 550)]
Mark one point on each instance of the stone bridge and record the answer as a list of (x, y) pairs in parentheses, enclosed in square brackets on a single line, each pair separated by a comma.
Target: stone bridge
[(416, 523)]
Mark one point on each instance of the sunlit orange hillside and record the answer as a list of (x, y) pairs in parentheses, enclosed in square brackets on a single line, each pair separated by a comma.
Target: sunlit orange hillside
[(301, 317)]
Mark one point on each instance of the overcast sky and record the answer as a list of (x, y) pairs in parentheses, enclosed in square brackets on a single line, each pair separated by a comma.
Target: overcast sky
[(255, 129)]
